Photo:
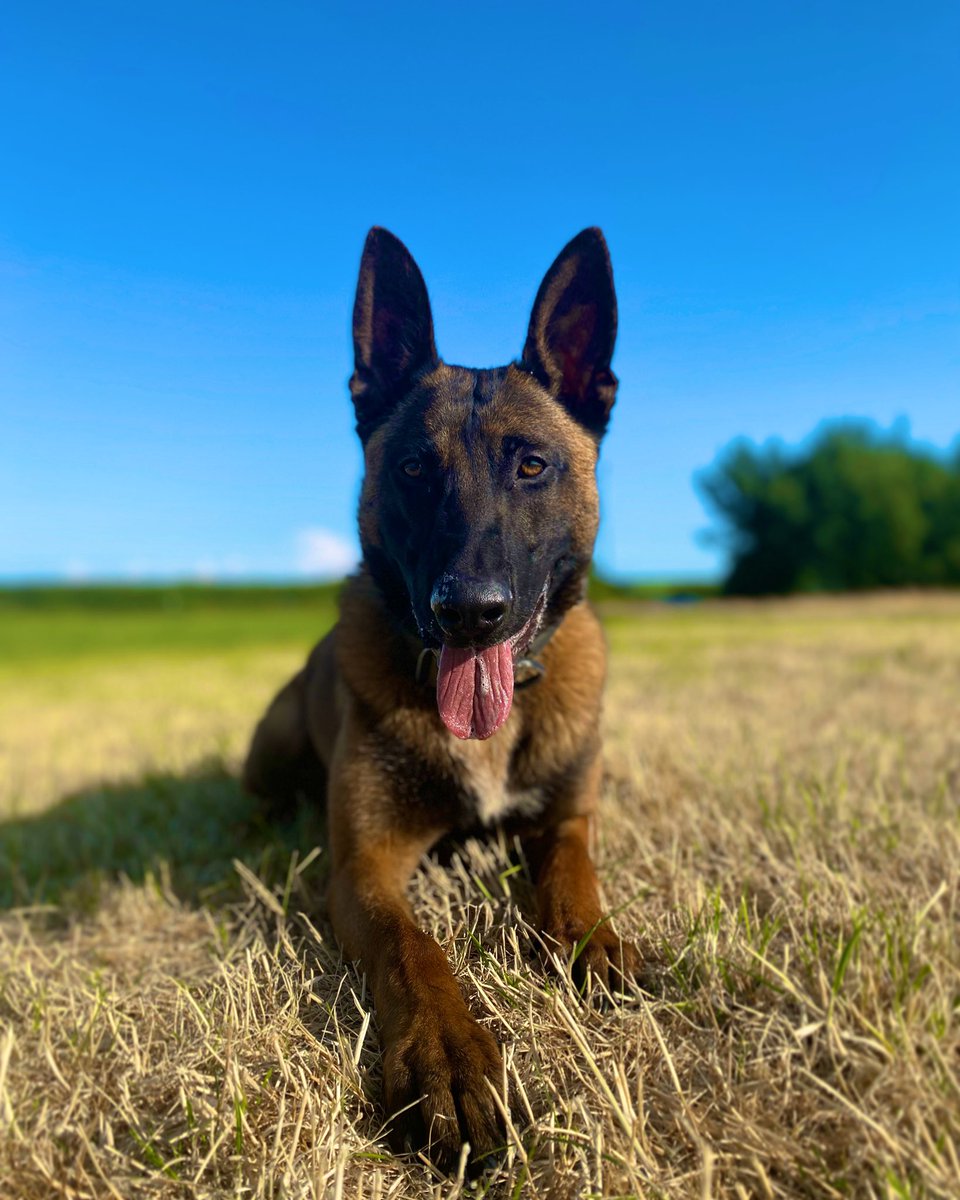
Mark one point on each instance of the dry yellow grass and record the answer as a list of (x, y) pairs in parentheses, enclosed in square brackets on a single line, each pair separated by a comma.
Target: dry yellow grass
[(780, 828)]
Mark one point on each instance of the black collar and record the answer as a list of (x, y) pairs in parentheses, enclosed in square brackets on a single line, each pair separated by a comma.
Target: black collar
[(526, 670)]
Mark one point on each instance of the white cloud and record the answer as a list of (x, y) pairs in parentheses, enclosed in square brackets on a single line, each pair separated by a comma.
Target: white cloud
[(325, 555), (205, 571), (77, 571)]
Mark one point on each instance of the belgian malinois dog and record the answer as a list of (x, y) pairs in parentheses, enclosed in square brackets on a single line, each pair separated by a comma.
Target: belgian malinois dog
[(462, 684)]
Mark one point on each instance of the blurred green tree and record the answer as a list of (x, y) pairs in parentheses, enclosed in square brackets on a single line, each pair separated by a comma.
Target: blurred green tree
[(853, 507)]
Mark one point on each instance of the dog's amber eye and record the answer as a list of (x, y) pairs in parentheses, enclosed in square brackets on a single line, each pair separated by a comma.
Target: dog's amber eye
[(412, 468), (531, 467)]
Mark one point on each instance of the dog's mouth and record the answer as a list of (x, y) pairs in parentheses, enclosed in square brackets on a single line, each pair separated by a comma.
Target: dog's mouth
[(475, 687)]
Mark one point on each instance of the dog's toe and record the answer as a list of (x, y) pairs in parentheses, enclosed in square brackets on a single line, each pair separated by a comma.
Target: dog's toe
[(437, 1080), (597, 955)]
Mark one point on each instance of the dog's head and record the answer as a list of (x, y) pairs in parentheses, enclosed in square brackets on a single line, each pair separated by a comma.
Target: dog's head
[(479, 507)]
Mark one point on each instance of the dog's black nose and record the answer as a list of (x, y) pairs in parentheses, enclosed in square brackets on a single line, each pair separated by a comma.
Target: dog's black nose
[(470, 610)]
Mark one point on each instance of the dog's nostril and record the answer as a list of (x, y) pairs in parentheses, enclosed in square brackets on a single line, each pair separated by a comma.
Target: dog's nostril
[(449, 616), (493, 614)]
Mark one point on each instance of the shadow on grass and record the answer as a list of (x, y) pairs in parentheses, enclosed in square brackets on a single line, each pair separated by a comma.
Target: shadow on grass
[(188, 827)]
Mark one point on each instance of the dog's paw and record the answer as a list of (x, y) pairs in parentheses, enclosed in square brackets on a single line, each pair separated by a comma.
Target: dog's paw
[(436, 1086), (595, 954)]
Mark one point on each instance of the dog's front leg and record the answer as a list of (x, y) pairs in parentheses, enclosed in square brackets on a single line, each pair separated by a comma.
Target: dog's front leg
[(568, 894), (437, 1059)]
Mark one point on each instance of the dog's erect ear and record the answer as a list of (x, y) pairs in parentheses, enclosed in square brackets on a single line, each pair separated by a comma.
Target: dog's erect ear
[(573, 329), (392, 328)]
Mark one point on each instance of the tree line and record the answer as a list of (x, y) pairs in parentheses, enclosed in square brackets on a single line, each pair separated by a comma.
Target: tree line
[(853, 507)]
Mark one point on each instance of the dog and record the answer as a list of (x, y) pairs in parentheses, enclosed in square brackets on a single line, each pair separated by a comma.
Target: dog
[(462, 683)]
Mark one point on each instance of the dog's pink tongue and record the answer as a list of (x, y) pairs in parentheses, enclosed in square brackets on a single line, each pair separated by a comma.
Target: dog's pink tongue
[(475, 689)]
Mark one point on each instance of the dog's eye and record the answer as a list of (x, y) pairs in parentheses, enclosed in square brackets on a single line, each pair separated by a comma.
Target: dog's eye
[(531, 466), (412, 468)]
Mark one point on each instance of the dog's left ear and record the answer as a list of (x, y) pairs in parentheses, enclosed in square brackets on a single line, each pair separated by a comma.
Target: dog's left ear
[(392, 328), (573, 329)]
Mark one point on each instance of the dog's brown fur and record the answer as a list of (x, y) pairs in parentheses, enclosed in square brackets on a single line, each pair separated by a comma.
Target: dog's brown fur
[(397, 781)]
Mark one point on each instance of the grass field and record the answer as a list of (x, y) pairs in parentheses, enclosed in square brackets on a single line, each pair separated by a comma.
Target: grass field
[(779, 829)]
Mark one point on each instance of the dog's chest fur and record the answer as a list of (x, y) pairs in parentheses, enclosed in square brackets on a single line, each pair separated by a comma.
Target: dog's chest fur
[(482, 774)]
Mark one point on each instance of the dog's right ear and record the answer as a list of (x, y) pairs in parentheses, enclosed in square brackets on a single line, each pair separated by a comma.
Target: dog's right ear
[(392, 328)]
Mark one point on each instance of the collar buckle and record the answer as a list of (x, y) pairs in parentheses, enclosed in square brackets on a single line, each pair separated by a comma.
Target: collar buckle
[(534, 666)]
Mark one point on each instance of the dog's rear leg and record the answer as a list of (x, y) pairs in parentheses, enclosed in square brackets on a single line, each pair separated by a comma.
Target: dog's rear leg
[(282, 764)]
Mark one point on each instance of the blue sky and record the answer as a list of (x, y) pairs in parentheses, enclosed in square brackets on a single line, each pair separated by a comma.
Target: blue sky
[(187, 188)]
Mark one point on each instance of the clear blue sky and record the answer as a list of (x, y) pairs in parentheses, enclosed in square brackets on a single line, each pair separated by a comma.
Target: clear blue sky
[(186, 189)]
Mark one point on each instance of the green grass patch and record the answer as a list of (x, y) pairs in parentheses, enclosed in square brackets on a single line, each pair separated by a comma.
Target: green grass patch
[(39, 624), (174, 597)]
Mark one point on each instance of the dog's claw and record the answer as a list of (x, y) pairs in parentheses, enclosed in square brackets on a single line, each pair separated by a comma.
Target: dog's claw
[(435, 1079), (597, 954)]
